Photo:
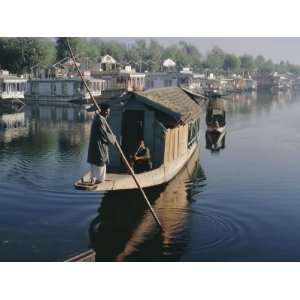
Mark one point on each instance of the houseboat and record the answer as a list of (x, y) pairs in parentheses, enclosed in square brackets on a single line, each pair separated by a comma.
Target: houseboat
[(12, 90), (63, 89), (167, 120), (274, 82)]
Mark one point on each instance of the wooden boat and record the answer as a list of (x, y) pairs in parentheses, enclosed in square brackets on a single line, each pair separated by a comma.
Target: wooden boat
[(167, 119), (216, 124), (216, 115)]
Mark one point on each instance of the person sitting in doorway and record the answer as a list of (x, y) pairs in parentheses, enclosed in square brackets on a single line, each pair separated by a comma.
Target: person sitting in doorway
[(142, 159)]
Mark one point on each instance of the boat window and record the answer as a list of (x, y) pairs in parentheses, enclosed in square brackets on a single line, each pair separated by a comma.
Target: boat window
[(192, 134)]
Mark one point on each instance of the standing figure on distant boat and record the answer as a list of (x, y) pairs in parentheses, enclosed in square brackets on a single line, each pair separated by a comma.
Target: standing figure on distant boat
[(216, 125), (100, 137), (142, 159)]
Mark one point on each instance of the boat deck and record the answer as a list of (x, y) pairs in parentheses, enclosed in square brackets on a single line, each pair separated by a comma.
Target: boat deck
[(155, 177)]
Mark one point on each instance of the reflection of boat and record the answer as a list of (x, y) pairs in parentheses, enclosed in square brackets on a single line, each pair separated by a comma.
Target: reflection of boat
[(123, 230), (12, 124), (215, 140), (216, 116), (167, 119)]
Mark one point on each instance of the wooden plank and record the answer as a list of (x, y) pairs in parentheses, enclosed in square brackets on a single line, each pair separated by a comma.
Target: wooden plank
[(87, 256), (185, 137), (180, 139), (166, 148), (171, 157), (176, 143)]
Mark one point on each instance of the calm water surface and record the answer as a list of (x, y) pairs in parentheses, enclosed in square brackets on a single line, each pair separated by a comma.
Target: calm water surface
[(239, 204)]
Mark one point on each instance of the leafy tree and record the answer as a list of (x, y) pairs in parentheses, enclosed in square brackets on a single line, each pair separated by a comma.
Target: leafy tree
[(231, 62), (259, 61), (266, 68), (295, 69), (77, 45), (281, 67), (155, 51), (192, 54), (247, 62), (19, 55), (215, 58), (115, 49), (93, 48)]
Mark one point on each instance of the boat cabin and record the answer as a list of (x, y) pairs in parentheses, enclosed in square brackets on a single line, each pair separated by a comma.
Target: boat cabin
[(166, 119)]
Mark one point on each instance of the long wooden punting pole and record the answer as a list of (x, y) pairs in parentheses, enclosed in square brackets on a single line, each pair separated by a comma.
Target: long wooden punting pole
[(116, 144)]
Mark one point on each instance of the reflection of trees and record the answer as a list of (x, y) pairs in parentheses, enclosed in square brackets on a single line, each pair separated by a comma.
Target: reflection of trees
[(125, 230)]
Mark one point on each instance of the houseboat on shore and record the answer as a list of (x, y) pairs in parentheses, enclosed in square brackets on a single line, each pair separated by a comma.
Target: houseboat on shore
[(167, 120)]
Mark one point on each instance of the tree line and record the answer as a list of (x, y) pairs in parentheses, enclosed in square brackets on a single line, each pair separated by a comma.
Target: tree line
[(20, 55)]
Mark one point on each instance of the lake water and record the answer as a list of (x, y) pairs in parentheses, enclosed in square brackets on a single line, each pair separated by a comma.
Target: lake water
[(241, 203)]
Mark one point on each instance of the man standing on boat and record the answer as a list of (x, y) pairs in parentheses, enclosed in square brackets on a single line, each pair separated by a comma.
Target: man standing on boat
[(100, 137)]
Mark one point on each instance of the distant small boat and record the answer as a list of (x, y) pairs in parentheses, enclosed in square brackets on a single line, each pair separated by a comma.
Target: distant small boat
[(216, 115), (216, 124), (167, 119)]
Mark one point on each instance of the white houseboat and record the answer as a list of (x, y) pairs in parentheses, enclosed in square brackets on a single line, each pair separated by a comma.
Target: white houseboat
[(11, 86), (167, 119), (63, 89)]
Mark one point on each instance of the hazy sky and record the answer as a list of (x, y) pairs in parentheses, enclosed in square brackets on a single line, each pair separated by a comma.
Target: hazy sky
[(276, 48)]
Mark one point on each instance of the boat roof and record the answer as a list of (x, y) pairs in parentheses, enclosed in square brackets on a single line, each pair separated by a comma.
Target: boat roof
[(173, 101), (216, 104)]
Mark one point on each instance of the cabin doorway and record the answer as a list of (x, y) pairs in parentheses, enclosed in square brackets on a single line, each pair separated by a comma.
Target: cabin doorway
[(132, 131)]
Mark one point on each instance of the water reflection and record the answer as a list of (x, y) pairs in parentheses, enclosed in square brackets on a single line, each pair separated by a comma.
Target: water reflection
[(257, 102), (215, 141), (124, 230), (41, 143), (13, 124), (242, 204)]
